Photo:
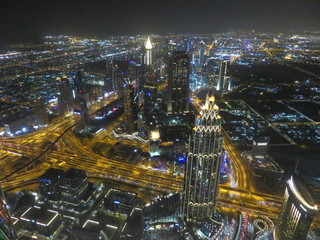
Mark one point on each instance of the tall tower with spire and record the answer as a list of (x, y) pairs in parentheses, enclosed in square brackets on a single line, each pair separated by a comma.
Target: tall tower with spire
[(203, 164), (148, 56)]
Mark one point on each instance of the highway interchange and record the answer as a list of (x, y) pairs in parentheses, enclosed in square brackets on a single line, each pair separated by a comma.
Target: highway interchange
[(65, 150)]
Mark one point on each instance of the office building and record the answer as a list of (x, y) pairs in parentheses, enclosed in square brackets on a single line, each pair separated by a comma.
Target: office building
[(260, 149), (109, 85), (148, 55), (40, 112), (203, 164), (222, 83), (178, 83), (65, 98), (117, 80), (41, 220), (81, 110), (74, 187), (298, 211), (7, 231), (120, 201), (78, 83), (49, 186), (130, 110)]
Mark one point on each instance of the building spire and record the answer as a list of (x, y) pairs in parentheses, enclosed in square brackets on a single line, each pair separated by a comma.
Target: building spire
[(210, 102), (148, 44)]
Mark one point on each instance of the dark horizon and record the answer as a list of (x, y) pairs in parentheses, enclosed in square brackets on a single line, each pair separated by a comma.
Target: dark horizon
[(31, 20)]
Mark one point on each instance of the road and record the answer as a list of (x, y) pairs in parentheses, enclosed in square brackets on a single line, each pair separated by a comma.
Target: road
[(71, 152)]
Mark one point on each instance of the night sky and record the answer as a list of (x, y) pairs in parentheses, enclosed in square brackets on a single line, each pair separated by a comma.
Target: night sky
[(30, 20)]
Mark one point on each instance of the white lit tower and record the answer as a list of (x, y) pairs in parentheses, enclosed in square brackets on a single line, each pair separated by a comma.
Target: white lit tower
[(203, 164), (222, 77), (148, 55)]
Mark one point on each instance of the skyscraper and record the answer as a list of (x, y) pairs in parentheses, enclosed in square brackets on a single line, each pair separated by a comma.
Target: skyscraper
[(298, 210), (40, 112), (65, 99), (117, 80), (81, 109), (149, 52), (178, 85), (130, 110), (222, 77), (78, 83), (203, 164), (6, 225), (260, 149)]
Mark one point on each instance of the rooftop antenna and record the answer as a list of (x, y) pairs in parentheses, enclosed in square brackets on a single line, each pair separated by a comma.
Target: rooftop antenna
[(296, 172)]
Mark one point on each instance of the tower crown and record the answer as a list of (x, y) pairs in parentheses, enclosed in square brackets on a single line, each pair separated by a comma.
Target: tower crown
[(210, 104), (148, 44)]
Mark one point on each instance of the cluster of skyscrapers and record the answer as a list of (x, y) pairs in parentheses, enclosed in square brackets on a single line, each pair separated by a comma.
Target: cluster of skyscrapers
[(190, 213)]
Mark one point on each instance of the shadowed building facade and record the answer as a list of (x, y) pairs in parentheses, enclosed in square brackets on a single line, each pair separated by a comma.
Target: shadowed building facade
[(178, 84), (298, 211)]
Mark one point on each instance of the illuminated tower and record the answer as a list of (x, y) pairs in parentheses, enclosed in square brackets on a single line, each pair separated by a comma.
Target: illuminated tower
[(222, 77), (149, 52), (298, 210), (6, 225), (178, 84), (203, 164)]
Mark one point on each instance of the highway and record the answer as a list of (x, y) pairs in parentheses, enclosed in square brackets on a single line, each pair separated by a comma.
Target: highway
[(71, 152)]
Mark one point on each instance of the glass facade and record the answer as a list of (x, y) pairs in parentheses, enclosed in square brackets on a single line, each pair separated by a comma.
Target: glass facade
[(203, 164)]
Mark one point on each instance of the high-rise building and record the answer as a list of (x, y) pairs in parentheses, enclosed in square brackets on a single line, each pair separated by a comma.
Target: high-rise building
[(203, 164), (260, 149), (6, 226), (40, 112), (81, 109), (135, 73), (222, 77), (44, 221), (65, 99), (78, 83), (117, 80), (74, 187), (49, 186), (109, 85), (298, 211), (148, 55), (178, 84), (130, 110)]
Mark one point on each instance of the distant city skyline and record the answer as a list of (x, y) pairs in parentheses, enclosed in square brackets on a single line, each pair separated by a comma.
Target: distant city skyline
[(29, 21)]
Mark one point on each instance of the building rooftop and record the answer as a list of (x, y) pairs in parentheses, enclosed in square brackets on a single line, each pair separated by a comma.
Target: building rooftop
[(42, 216), (301, 192), (121, 196), (72, 173), (52, 174)]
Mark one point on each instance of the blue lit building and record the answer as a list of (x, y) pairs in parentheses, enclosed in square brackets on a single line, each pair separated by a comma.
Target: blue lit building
[(49, 186)]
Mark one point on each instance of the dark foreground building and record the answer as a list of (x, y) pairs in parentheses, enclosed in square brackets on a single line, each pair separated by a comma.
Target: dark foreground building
[(6, 225), (297, 213)]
